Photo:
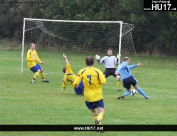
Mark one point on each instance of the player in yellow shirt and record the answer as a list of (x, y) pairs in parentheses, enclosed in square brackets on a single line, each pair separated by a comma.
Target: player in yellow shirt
[(33, 58), (69, 78), (93, 80)]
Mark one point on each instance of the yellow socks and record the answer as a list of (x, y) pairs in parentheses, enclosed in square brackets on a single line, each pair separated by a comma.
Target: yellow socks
[(100, 116), (95, 117), (35, 75), (43, 75), (119, 84)]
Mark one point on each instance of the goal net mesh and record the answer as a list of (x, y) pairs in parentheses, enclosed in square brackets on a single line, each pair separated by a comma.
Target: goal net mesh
[(80, 36)]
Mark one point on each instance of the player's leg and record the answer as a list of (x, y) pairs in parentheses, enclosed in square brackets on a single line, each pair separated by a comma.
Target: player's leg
[(118, 79), (43, 76), (134, 82), (42, 73), (127, 92), (36, 73), (119, 85), (127, 85), (79, 90), (111, 71), (97, 116), (140, 90), (100, 106), (92, 108), (94, 114), (100, 115), (106, 73)]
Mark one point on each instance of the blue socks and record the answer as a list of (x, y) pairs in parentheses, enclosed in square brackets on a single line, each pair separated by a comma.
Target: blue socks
[(142, 92), (139, 90), (126, 93)]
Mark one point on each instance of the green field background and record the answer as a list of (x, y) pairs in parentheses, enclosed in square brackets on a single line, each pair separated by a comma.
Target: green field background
[(24, 103)]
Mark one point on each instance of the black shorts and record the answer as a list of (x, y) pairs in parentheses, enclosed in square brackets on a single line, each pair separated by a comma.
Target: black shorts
[(129, 81), (110, 71)]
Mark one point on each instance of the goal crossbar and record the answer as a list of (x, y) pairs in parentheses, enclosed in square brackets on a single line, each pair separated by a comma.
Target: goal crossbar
[(74, 21)]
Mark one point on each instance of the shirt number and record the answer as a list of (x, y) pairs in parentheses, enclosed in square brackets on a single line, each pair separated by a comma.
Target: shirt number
[(90, 79)]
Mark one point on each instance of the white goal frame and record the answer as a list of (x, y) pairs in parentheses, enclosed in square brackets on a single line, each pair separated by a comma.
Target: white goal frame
[(76, 21)]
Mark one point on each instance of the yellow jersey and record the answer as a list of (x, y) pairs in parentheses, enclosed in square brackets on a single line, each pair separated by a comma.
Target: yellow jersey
[(93, 79), (69, 77), (31, 55)]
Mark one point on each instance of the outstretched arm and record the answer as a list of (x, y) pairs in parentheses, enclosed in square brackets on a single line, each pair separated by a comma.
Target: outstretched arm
[(101, 61), (67, 62), (134, 66)]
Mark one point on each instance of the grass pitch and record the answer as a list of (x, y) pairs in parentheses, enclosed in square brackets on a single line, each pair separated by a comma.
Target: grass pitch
[(24, 103)]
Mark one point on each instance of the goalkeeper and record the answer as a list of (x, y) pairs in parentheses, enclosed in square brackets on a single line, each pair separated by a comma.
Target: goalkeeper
[(109, 63), (32, 58), (69, 78)]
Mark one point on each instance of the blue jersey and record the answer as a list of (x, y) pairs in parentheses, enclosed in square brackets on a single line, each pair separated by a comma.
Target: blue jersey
[(124, 70)]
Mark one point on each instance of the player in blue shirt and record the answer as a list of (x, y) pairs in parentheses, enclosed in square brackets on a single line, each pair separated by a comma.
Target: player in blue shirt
[(128, 79)]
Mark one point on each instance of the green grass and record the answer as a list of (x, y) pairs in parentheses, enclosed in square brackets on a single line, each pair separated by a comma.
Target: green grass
[(42, 103)]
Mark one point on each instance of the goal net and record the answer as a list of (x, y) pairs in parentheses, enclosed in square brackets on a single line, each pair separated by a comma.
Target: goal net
[(95, 36)]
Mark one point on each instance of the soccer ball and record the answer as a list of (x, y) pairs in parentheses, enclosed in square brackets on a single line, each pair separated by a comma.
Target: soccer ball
[(133, 92)]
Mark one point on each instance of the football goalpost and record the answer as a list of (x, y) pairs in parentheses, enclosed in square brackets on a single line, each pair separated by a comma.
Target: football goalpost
[(95, 36)]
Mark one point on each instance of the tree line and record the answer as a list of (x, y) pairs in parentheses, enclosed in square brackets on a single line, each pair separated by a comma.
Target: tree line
[(155, 32)]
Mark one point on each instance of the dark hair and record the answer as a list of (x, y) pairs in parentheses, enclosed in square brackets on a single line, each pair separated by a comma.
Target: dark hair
[(126, 58), (110, 49), (64, 70), (89, 61)]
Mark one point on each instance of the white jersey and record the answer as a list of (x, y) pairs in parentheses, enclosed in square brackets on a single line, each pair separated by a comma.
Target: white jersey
[(109, 61)]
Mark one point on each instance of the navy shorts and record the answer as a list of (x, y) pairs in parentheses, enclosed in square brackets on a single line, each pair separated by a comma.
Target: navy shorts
[(80, 88), (129, 81), (93, 105), (110, 71), (36, 68)]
